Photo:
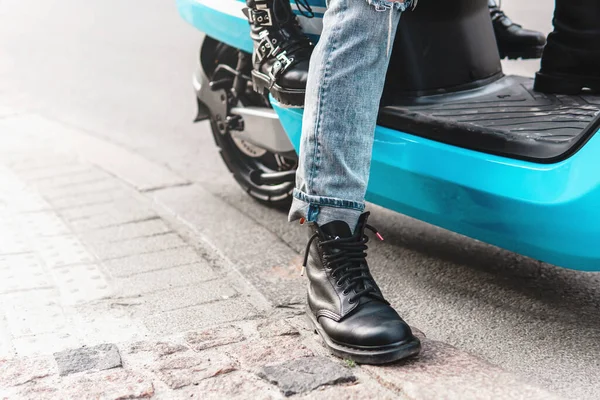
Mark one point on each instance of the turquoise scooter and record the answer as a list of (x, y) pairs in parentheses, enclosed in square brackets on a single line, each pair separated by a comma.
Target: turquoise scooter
[(461, 146)]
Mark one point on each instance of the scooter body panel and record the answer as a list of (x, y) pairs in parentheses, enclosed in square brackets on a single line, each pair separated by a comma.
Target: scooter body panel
[(545, 211)]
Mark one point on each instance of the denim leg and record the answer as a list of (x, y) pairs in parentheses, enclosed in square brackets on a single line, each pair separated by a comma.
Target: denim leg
[(345, 82)]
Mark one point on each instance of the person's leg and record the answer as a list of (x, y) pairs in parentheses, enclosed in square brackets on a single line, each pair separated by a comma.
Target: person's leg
[(345, 83), (512, 39), (571, 60)]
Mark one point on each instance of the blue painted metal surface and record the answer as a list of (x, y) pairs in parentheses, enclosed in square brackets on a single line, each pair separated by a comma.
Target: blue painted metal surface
[(548, 212)]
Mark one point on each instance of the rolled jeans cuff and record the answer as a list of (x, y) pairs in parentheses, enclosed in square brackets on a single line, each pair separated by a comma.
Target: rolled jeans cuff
[(322, 210)]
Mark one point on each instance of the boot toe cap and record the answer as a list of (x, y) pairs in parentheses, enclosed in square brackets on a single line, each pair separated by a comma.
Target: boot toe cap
[(373, 326), (515, 34)]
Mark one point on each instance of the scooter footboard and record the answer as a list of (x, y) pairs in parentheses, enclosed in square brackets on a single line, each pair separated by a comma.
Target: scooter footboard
[(545, 211)]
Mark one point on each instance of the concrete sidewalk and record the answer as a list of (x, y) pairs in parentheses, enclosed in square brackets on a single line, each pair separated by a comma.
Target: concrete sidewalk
[(111, 287)]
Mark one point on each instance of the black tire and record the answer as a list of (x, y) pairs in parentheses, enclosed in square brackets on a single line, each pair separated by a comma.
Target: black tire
[(239, 163)]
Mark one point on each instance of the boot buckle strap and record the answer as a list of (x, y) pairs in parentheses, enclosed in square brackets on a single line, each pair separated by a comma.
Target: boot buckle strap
[(261, 17), (267, 46), (281, 65)]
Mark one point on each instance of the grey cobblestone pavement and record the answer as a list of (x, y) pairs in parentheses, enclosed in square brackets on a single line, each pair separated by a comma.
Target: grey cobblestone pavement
[(109, 291)]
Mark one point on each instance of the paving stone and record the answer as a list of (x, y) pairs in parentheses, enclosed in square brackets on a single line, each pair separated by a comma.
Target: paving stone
[(12, 242), (187, 296), (111, 219), (140, 263), (7, 111), (125, 248), (128, 166), (61, 251), (46, 343), (80, 284), (269, 264), (181, 371), (53, 194), (130, 207), (42, 224), (20, 371), (99, 358), (89, 199), (31, 319), (127, 231), (442, 370), (122, 210), (237, 385), (253, 355), (115, 384), (300, 322), (10, 182), (6, 347), (97, 325), (22, 272), (199, 317), (37, 175), (36, 390), (26, 201), (276, 327), (148, 282), (26, 165), (73, 179), (355, 391), (306, 374), (157, 349), (214, 337), (37, 323)]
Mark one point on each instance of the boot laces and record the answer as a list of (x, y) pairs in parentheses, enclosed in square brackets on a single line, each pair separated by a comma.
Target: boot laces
[(303, 6), (346, 259)]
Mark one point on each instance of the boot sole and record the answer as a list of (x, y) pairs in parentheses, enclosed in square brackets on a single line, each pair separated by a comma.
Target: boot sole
[(366, 355), (524, 53), (565, 84), (285, 97)]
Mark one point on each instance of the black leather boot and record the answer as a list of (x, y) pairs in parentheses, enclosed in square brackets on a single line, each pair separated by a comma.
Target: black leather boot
[(514, 41), (281, 50), (345, 304), (571, 60)]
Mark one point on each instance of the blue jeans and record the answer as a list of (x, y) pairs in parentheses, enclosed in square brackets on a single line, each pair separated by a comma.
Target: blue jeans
[(345, 82)]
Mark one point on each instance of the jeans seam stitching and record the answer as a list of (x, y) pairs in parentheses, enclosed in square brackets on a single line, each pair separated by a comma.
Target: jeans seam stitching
[(319, 112)]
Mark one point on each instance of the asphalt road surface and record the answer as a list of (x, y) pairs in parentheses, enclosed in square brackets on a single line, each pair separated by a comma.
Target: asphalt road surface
[(121, 70)]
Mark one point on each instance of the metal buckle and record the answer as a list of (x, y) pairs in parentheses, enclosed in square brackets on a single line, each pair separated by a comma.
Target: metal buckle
[(267, 46), (282, 63), (261, 16)]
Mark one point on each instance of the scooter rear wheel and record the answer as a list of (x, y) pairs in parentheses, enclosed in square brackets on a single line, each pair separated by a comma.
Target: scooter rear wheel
[(244, 160)]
